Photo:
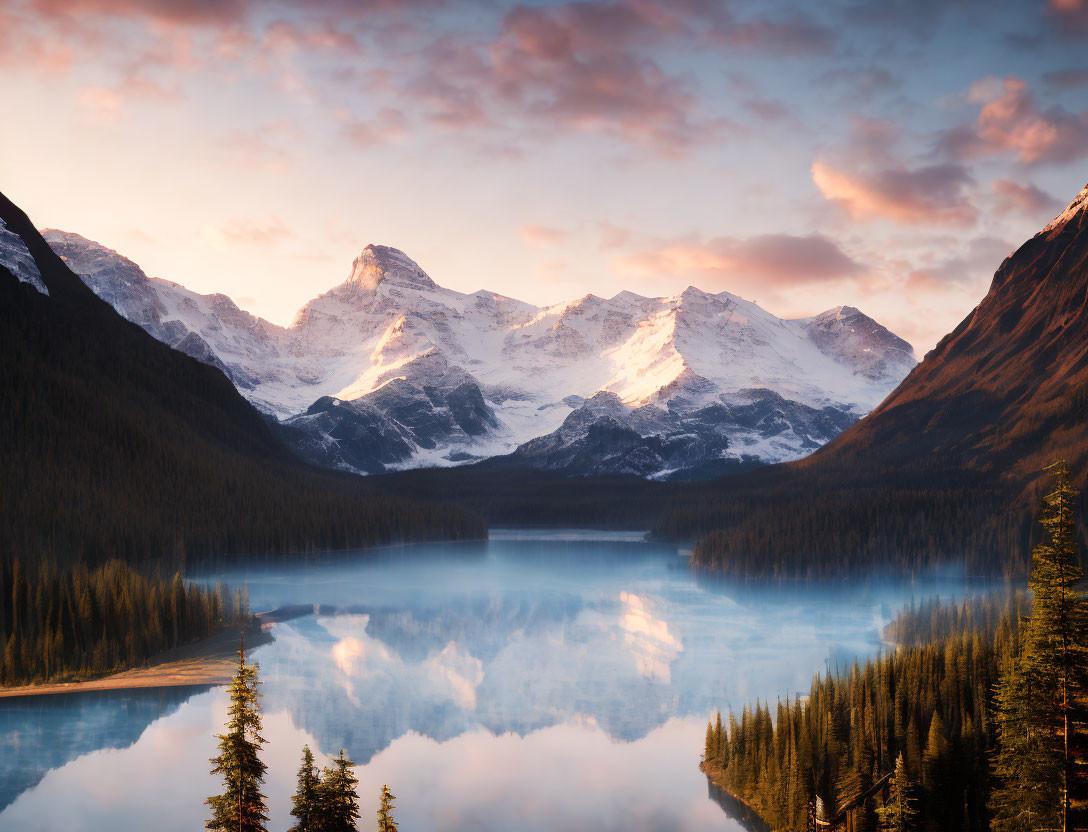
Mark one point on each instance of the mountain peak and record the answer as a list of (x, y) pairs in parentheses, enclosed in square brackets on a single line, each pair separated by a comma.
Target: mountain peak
[(1080, 201), (377, 264)]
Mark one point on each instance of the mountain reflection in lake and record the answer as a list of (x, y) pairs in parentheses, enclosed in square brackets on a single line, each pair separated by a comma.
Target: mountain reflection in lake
[(561, 682)]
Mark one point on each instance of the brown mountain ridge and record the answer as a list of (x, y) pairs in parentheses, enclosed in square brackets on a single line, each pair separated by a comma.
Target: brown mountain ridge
[(949, 466)]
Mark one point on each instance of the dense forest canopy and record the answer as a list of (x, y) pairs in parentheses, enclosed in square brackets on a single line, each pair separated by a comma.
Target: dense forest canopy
[(75, 622)]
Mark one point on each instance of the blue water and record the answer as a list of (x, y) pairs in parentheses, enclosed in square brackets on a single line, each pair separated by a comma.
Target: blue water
[(556, 680)]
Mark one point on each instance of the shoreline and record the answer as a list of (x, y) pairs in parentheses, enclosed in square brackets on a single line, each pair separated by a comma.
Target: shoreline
[(210, 661)]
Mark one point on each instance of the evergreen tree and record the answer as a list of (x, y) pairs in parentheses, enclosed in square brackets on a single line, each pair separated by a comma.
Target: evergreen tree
[(940, 807), (241, 808), (339, 796), (385, 811), (900, 813), (305, 799), (1026, 796), (1037, 696)]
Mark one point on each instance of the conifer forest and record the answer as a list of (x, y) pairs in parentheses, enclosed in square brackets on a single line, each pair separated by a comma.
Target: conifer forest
[(976, 718)]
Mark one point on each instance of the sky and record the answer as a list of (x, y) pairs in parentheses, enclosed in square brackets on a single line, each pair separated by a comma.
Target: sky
[(882, 154)]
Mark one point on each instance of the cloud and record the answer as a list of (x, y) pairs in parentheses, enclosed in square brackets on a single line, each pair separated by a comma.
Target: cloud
[(1066, 79), (927, 195), (570, 65), (766, 261), (177, 11), (611, 237), (873, 140), (261, 149), (592, 67), (244, 231), (542, 236), (975, 264), (384, 126), (1011, 121), (1071, 16), (767, 109), (103, 103), (792, 34), (1014, 198), (218, 12), (861, 83)]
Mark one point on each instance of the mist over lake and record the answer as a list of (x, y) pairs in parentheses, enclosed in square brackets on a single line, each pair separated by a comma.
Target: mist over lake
[(539, 680)]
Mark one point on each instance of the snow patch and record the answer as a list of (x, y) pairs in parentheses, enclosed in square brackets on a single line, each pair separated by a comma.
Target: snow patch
[(17, 259)]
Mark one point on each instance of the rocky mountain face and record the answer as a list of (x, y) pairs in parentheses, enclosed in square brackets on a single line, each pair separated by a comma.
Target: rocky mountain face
[(389, 370)]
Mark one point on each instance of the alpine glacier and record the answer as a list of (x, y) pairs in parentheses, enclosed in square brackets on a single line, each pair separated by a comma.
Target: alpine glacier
[(389, 370)]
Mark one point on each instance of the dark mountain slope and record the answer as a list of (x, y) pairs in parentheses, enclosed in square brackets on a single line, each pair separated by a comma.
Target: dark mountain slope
[(949, 465), (113, 444)]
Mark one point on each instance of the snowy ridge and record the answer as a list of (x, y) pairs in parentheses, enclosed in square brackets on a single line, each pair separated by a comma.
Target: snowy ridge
[(391, 370), (1079, 203), (17, 259)]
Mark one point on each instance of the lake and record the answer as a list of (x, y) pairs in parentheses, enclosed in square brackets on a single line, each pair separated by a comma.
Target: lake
[(536, 681)]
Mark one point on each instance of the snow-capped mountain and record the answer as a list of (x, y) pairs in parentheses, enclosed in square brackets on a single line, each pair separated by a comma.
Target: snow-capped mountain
[(390, 370)]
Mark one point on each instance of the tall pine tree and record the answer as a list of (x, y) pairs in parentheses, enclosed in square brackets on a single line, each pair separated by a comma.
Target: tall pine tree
[(339, 796), (305, 801), (900, 813), (1037, 696), (385, 812), (241, 808)]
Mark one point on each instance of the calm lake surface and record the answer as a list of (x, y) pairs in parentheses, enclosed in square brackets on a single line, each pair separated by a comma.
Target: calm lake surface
[(538, 681)]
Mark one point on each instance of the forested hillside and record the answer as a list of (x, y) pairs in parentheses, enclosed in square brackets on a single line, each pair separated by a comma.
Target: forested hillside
[(117, 446), (976, 720), (926, 706)]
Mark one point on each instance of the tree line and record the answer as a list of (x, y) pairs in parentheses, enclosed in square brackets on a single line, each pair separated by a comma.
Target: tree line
[(975, 722), (76, 621), (324, 801)]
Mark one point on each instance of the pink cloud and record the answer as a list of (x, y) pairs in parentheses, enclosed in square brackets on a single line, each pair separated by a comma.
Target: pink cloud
[(928, 195), (179, 11), (582, 67), (612, 237), (1067, 79), (1011, 121), (767, 261), (245, 231), (968, 269), (103, 103), (1014, 198), (541, 236), (385, 125), (262, 149), (1071, 15)]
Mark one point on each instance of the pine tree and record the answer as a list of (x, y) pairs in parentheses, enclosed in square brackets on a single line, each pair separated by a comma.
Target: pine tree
[(241, 808), (721, 752), (305, 799), (900, 814), (385, 811), (339, 796), (1036, 696)]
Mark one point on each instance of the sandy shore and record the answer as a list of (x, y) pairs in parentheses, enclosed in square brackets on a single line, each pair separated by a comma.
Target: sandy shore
[(211, 661)]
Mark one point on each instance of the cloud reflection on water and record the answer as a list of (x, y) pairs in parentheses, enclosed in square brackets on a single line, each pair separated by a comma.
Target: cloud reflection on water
[(510, 686)]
